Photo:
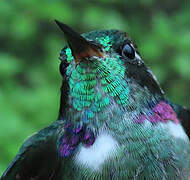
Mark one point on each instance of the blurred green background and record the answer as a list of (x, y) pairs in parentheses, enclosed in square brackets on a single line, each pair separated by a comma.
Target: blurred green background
[(30, 43)]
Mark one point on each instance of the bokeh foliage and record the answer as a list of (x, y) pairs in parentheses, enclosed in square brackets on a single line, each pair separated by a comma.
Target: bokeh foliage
[(30, 43)]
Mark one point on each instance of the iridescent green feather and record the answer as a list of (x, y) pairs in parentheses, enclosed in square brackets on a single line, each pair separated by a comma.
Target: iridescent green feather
[(83, 81)]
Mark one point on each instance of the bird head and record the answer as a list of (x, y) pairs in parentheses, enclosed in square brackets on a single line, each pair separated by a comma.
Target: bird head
[(101, 68)]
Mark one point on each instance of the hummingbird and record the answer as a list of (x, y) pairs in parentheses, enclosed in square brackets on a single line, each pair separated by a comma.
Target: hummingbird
[(114, 122)]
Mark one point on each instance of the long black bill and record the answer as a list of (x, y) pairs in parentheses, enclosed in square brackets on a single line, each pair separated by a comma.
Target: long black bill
[(80, 47)]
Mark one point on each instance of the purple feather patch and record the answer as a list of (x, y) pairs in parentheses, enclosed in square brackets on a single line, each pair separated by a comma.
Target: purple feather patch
[(72, 137), (162, 112)]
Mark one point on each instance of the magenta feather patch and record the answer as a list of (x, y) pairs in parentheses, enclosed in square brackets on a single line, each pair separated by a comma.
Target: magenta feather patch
[(162, 112), (73, 137)]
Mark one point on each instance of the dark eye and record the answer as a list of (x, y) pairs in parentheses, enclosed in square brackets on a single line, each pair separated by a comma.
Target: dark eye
[(62, 54), (128, 51), (63, 67)]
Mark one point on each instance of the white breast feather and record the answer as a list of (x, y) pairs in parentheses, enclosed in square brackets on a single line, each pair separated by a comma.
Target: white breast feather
[(177, 130), (95, 155)]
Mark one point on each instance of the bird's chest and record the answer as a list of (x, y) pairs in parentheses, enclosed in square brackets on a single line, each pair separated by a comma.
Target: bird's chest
[(130, 147), (125, 153)]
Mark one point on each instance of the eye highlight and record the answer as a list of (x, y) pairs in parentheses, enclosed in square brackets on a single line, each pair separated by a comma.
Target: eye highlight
[(128, 51)]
